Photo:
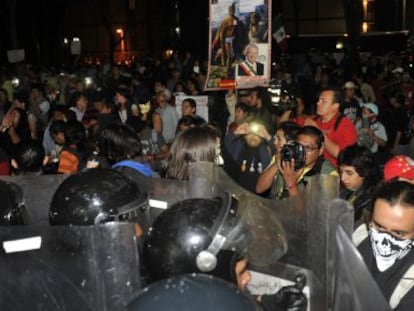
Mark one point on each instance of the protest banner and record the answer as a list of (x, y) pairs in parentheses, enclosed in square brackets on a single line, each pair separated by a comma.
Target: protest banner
[(239, 44)]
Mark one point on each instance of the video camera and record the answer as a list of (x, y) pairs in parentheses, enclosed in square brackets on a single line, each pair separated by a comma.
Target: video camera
[(282, 100), (296, 151)]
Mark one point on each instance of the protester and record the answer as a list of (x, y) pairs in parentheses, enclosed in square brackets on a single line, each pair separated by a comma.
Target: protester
[(359, 177), (193, 145), (386, 243), (399, 167), (338, 130)]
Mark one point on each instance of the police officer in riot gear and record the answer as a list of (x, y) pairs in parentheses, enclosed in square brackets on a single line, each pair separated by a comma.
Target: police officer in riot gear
[(96, 196), (12, 206), (181, 239), (193, 292), (210, 235), (87, 260)]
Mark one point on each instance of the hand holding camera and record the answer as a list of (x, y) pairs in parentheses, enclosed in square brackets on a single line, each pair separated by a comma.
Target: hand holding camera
[(296, 151)]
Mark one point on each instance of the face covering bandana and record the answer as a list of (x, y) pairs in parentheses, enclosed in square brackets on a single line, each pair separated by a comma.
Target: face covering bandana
[(388, 249), (144, 108)]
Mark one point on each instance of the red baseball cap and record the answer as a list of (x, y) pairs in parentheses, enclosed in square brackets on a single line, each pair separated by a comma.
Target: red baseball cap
[(399, 166)]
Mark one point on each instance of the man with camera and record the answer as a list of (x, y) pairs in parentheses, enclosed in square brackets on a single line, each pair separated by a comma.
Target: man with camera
[(299, 160), (339, 132)]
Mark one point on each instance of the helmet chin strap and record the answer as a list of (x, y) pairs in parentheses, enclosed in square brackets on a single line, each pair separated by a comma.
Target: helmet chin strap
[(206, 260)]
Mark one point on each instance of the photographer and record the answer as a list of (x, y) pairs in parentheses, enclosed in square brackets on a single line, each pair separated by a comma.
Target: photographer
[(286, 132), (300, 160), (284, 108), (249, 152), (289, 107)]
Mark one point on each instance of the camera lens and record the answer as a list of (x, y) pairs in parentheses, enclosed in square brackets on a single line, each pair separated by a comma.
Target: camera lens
[(286, 153)]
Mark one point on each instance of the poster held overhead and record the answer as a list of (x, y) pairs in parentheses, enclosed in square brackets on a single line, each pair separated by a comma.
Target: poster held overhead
[(75, 46), (239, 44), (15, 56)]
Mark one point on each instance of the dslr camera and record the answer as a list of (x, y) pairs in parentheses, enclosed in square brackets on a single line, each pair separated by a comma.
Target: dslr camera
[(294, 150)]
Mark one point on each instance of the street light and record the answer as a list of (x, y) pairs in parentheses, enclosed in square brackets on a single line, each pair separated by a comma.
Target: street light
[(120, 32)]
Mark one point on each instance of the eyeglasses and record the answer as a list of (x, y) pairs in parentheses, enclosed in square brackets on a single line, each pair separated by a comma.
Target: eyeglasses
[(310, 148)]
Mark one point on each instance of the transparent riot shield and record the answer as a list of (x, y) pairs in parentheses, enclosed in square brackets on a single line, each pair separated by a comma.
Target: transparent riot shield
[(68, 268), (308, 223), (37, 193), (354, 287)]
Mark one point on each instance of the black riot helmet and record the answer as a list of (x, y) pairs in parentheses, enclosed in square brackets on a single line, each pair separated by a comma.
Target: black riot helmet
[(209, 234), (12, 208), (96, 196), (193, 292), (190, 237)]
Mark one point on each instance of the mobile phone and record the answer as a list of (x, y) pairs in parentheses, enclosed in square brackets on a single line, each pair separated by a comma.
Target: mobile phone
[(365, 123)]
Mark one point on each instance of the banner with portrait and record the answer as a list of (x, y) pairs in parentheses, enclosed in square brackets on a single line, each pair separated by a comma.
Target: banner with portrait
[(239, 44)]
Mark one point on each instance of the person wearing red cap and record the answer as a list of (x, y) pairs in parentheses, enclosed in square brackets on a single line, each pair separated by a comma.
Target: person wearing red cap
[(401, 168)]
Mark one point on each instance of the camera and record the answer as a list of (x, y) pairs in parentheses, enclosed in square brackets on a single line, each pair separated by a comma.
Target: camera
[(294, 150), (282, 101), (365, 123), (285, 104)]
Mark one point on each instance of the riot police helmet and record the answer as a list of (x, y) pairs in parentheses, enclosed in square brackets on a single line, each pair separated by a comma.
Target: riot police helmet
[(193, 292), (96, 196), (208, 235)]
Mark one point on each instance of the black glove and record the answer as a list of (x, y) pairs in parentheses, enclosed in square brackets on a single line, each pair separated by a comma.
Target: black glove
[(288, 298)]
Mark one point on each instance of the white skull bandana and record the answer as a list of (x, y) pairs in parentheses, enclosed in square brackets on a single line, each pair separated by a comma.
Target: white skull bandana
[(388, 249)]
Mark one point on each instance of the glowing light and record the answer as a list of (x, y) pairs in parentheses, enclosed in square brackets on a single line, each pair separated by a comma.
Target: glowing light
[(364, 27), (120, 31), (169, 53)]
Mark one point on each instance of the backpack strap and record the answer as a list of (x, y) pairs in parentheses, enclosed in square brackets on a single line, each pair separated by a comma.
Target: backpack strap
[(338, 121), (403, 287), (360, 234)]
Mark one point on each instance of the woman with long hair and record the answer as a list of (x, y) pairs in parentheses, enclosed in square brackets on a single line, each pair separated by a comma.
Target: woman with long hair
[(193, 145)]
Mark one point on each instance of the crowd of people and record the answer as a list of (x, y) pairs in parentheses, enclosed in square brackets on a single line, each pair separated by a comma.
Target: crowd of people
[(359, 128)]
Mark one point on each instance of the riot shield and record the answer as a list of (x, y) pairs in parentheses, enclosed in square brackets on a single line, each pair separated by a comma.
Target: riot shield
[(37, 192), (12, 205), (308, 223), (68, 267), (354, 287)]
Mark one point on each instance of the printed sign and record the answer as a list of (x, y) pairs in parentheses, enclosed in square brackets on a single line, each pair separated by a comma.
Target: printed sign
[(239, 44)]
